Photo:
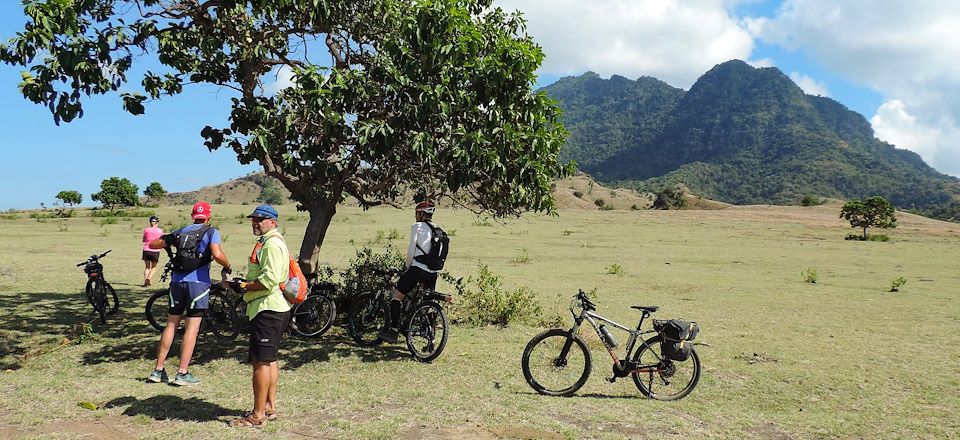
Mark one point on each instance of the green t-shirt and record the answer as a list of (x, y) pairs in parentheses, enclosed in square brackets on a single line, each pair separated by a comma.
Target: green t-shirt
[(271, 269)]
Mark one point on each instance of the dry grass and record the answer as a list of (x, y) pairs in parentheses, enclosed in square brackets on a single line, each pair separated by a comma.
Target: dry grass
[(842, 358)]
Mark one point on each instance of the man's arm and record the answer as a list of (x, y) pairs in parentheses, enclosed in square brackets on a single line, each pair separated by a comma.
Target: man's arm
[(273, 262), (219, 256), (158, 244), (412, 247)]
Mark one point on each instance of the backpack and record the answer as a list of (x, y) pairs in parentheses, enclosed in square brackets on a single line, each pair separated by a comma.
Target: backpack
[(676, 335), (188, 257), (295, 289), (439, 246)]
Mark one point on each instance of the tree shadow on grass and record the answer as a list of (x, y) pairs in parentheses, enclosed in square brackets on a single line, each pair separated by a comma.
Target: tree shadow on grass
[(170, 407)]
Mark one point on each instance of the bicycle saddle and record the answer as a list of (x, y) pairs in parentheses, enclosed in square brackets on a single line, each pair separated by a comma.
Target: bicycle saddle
[(649, 309)]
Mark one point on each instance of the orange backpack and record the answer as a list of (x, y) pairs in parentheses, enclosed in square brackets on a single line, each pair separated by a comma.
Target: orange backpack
[(295, 289)]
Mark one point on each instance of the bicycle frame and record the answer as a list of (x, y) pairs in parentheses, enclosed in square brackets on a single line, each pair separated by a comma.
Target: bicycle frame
[(634, 335)]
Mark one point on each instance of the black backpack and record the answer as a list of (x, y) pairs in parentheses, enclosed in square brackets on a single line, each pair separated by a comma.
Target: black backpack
[(439, 246), (676, 335), (188, 258)]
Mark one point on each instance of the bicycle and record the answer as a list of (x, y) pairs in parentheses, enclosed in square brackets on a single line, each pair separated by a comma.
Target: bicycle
[(565, 360), (99, 292), (310, 319), (220, 317), (423, 319)]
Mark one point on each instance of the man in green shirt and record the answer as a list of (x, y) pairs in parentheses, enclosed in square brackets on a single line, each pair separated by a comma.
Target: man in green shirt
[(267, 310)]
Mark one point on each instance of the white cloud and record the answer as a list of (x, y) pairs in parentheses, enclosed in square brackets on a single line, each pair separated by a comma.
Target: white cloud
[(284, 78), (809, 85), (673, 40), (908, 51)]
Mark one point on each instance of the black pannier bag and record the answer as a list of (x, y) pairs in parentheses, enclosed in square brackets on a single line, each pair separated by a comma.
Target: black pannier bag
[(676, 336)]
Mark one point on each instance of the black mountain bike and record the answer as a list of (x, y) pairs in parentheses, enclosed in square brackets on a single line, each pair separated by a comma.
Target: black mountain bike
[(310, 319), (100, 293), (423, 320), (557, 361), (220, 316)]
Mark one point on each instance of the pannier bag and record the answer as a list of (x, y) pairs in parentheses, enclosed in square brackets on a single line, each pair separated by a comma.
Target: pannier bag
[(676, 336)]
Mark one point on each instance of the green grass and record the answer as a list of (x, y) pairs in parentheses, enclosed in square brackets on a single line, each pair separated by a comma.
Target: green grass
[(842, 358)]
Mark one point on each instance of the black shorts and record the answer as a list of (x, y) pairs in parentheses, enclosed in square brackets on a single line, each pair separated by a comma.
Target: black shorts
[(151, 256), (266, 331), (413, 276)]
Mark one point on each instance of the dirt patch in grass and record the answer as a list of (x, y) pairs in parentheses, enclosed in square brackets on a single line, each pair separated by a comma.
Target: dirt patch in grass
[(757, 358), (770, 431), (102, 429)]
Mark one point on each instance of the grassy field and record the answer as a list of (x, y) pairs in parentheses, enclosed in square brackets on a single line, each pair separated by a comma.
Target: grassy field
[(841, 358)]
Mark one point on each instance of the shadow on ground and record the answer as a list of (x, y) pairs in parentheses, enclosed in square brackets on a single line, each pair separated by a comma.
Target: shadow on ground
[(169, 407)]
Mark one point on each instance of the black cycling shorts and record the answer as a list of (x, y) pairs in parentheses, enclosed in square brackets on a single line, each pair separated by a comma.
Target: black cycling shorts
[(151, 256), (266, 331), (413, 276)]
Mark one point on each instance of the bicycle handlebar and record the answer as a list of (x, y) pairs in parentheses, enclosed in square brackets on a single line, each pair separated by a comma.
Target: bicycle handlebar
[(94, 258), (585, 302)]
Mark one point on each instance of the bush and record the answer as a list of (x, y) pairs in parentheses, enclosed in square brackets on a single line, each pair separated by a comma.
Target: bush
[(9, 216), (809, 275), (578, 194), (873, 237), (615, 269), (634, 208), (599, 202), (810, 201), (524, 257), (122, 213), (606, 208), (483, 301), (368, 272), (897, 283), (41, 215)]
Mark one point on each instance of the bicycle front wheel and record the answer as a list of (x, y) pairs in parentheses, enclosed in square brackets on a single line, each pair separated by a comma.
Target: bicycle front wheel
[(112, 300), (314, 316), (556, 363), (221, 316), (100, 300), (157, 308), (368, 316), (427, 332), (663, 379)]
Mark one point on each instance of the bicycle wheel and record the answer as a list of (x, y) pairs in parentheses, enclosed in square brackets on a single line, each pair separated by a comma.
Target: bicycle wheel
[(240, 308), (112, 300), (663, 379), (368, 316), (157, 308), (100, 301), (88, 290), (427, 332), (556, 364), (221, 316), (314, 316)]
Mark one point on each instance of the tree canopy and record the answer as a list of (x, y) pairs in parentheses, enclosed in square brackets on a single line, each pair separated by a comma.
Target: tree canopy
[(116, 191), (390, 97), (874, 212), (155, 191), (70, 197)]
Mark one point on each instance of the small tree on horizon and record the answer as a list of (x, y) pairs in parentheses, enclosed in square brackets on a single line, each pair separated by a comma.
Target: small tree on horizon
[(271, 195), (69, 197), (155, 191), (874, 212), (117, 191)]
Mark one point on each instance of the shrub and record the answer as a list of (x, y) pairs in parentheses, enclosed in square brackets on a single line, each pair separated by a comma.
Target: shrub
[(9, 216), (524, 257), (483, 301), (606, 208), (40, 215), (809, 275), (578, 194), (368, 272), (897, 283), (872, 237), (615, 269), (634, 207), (108, 221), (809, 200), (599, 202)]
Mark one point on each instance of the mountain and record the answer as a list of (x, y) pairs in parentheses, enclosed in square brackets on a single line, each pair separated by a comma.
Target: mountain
[(740, 135)]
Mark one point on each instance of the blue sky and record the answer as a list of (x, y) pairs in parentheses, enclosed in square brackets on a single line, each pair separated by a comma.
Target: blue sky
[(896, 65)]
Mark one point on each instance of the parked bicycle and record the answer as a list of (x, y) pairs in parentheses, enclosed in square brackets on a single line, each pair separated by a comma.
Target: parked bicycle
[(557, 361), (423, 320), (310, 319), (220, 316), (100, 293)]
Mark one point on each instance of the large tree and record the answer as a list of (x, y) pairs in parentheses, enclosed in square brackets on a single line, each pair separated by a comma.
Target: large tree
[(70, 197), (116, 191), (874, 212), (391, 97), (155, 191)]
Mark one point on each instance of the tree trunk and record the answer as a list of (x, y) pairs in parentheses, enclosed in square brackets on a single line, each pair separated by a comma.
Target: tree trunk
[(864, 232), (321, 214)]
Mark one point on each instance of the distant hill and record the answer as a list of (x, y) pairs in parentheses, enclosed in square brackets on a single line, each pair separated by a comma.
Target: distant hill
[(242, 190), (740, 135)]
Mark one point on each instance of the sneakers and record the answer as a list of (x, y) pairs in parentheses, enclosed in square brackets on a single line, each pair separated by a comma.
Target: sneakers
[(183, 379), (388, 334), (158, 376)]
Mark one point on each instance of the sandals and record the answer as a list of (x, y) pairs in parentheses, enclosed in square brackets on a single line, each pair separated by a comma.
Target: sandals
[(271, 415), (248, 422)]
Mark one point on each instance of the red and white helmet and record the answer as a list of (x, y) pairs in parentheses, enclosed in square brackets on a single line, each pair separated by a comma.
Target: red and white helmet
[(426, 207)]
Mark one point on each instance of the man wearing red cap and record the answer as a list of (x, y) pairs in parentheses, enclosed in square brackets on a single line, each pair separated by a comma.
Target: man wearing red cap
[(197, 245)]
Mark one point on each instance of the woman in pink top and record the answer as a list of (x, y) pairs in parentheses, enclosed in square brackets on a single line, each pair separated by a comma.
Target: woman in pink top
[(150, 256)]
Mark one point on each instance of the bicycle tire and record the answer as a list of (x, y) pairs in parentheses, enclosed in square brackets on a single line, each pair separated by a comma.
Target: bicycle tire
[(100, 301), (88, 290), (221, 316), (158, 305), (314, 316), (111, 308), (553, 341), (368, 315), (654, 361), (425, 321)]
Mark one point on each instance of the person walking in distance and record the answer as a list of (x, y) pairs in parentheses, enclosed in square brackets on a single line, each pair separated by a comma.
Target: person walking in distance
[(150, 256), (197, 245), (268, 312)]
